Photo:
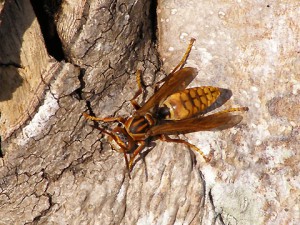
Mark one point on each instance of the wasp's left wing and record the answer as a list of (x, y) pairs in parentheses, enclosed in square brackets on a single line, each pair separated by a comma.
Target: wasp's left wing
[(207, 123)]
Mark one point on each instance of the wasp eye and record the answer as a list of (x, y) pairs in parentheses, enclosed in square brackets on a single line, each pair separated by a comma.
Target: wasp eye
[(119, 125)]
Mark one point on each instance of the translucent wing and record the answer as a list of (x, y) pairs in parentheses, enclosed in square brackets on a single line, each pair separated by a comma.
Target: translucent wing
[(207, 123), (174, 82)]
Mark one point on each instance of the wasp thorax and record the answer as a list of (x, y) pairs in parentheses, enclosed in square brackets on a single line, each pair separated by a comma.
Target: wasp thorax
[(163, 112)]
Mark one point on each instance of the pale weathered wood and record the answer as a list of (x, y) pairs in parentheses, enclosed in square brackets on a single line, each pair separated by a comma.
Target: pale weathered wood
[(55, 169), (251, 48)]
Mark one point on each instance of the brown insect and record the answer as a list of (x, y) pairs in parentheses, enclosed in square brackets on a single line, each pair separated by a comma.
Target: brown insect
[(173, 109)]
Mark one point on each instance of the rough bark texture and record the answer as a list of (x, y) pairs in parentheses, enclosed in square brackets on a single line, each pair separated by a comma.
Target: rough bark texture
[(58, 170)]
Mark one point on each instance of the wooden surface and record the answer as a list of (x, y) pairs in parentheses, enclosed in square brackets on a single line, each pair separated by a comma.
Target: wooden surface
[(58, 170)]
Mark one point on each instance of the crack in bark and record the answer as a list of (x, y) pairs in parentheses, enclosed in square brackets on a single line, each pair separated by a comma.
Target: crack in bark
[(43, 212), (45, 12), (153, 19), (13, 64), (217, 216)]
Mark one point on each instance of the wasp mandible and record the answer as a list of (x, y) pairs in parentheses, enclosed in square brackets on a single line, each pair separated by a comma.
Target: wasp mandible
[(172, 109)]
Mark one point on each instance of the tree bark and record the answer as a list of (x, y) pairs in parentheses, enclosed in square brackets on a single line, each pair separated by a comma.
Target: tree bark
[(55, 168), (59, 59)]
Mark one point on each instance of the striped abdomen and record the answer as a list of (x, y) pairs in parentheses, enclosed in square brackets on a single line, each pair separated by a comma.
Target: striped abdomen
[(188, 103)]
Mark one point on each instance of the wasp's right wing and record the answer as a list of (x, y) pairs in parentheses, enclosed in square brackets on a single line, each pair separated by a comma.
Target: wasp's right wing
[(174, 82)]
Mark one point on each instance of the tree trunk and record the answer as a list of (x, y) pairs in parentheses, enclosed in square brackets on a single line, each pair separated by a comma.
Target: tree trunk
[(59, 59), (55, 168)]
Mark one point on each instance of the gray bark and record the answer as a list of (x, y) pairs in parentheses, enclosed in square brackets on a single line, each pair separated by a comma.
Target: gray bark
[(56, 169)]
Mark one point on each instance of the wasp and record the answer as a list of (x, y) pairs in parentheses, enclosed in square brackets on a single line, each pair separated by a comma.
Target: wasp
[(172, 109)]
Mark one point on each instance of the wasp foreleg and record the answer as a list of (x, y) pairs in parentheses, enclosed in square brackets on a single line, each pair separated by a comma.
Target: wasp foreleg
[(138, 92), (127, 164), (141, 146), (107, 119)]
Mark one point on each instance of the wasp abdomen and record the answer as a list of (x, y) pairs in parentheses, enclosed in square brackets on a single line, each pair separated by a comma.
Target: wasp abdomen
[(189, 102)]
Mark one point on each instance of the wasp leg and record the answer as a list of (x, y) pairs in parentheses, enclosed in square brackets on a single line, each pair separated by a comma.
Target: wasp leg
[(238, 109), (180, 64), (185, 56), (136, 152), (107, 119), (166, 138), (156, 86), (127, 164), (138, 92), (113, 136)]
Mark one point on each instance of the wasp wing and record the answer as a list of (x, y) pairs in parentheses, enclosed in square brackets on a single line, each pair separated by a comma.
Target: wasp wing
[(174, 82), (207, 123)]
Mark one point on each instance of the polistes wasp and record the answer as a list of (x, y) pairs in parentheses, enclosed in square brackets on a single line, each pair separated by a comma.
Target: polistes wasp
[(172, 109)]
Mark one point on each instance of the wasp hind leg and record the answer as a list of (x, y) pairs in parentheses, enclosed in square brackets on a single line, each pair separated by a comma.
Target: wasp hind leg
[(180, 64), (177, 140), (185, 56), (238, 109)]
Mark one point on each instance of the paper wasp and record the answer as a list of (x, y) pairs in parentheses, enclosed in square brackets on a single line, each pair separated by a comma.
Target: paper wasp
[(172, 109)]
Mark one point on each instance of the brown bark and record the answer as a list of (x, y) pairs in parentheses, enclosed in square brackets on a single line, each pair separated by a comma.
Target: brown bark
[(56, 169)]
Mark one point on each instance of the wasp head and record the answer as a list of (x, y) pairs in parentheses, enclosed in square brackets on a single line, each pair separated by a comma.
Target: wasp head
[(120, 140)]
